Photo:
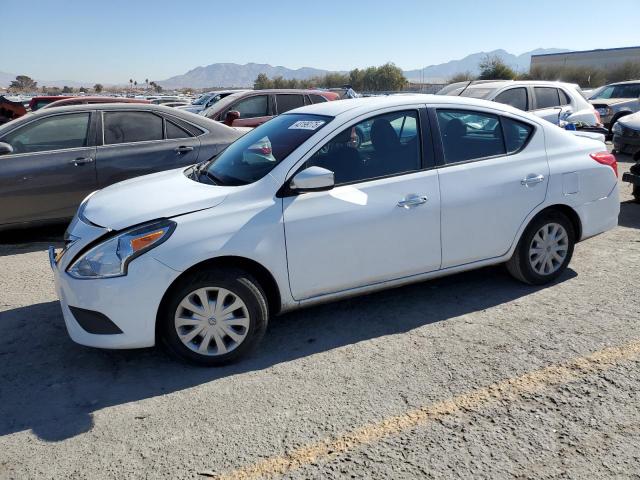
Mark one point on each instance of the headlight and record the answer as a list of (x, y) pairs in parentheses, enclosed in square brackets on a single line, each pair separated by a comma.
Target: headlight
[(111, 257), (617, 128)]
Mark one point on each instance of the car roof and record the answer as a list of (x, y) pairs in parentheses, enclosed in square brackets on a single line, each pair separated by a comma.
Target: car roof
[(503, 83), (367, 104), (627, 82)]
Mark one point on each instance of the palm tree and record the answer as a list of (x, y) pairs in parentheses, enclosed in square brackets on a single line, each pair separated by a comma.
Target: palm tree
[(131, 84), (146, 80)]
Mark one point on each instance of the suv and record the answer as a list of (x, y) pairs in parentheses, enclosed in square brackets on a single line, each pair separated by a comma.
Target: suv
[(553, 101), (254, 107), (617, 100)]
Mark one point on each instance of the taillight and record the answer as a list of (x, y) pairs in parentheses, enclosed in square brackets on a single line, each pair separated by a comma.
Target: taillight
[(606, 158), (598, 117)]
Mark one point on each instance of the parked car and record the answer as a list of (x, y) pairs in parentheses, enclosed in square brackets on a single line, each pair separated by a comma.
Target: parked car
[(208, 99), (92, 100), (553, 101), (36, 103), (176, 104), (626, 133), (633, 177), (254, 107), (293, 214), (616, 101), (53, 158)]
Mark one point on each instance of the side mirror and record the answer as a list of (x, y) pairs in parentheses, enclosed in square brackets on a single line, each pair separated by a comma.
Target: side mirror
[(312, 179), (5, 148), (232, 116)]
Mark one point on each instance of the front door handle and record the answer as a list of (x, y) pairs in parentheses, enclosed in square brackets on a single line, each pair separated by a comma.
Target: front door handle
[(532, 180), (412, 201), (81, 161), (182, 149)]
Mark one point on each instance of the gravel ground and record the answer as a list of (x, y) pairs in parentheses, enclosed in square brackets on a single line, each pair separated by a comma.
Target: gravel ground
[(470, 376)]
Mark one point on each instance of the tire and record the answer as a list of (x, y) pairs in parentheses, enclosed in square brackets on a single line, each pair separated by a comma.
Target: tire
[(230, 333), (521, 265), (636, 193)]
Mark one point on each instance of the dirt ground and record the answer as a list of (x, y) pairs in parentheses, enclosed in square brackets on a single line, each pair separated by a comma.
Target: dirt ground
[(470, 376)]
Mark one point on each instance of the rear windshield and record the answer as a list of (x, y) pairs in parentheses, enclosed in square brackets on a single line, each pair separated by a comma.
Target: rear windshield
[(630, 90), (478, 92), (255, 154)]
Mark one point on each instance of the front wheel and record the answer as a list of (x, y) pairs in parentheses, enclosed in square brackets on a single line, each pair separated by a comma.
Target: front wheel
[(214, 317), (544, 251)]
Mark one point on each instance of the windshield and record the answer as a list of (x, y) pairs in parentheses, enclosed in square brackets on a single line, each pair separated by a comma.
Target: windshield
[(477, 92), (619, 91), (203, 99), (252, 156)]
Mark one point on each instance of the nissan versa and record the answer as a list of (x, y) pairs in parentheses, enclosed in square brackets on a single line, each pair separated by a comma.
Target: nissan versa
[(298, 212)]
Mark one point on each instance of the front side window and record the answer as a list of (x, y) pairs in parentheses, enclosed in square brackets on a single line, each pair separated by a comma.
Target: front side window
[(288, 102), (468, 135), (127, 127), (252, 107), (516, 97), (384, 145), (547, 97), (52, 133), (255, 154)]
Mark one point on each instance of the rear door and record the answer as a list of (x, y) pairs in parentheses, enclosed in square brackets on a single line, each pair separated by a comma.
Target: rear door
[(550, 104), (139, 142), (51, 170), (493, 172), (288, 101)]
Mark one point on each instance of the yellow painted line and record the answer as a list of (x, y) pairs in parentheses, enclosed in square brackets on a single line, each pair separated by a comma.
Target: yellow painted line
[(508, 389)]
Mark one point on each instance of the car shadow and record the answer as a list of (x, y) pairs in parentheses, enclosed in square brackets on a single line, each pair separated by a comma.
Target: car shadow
[(629, 214), (29, 240), (52, 386)]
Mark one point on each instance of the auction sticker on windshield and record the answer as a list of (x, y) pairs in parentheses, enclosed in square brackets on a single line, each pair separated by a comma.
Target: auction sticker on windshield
[(307, 125)]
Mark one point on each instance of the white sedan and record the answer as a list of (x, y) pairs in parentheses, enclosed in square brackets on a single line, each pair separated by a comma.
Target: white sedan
[(299, 212)]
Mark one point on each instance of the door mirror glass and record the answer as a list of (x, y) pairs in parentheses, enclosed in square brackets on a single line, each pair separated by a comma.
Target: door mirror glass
[(312, 179), (231, 117), (5, 148)]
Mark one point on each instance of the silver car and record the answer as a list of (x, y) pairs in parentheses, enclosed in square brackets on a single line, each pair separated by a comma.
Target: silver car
[(616, 101), (207, 99)]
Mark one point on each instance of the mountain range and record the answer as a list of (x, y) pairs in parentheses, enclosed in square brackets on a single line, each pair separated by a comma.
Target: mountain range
[(235, 75)]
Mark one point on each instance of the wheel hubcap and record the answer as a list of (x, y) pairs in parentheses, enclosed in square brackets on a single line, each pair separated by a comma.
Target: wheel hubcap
[(548, 249), (212, 321)]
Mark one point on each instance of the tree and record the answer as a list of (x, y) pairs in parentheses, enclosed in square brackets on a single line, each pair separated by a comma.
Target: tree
[(262, 82), (146, 81), (83, 90), (157, 88), (492, 67), (67, 89), (23, 83), (98, 88), (462, 77), (131, 84), (135, 83)]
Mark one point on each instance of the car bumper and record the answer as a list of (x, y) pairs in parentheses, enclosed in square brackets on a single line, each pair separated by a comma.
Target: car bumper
[(600, 215), (623, 142), (129, 303)]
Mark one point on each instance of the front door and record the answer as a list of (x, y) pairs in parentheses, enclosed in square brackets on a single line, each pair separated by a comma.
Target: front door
[(380, 222), (50, 171), (494, 173)]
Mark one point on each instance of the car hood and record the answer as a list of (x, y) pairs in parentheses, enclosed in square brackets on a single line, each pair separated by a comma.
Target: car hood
[(149, 197), (191, 108), (610, 101), (631, 121)]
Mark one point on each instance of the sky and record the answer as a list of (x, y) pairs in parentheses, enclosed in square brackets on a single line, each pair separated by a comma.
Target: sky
[(112, 41)]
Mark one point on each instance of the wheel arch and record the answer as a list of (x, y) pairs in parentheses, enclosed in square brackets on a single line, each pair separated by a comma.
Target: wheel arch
[(258, 271)]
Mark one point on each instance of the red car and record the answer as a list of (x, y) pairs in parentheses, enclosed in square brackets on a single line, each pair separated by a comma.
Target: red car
[(37, 103), (254, 107), (92, 100)]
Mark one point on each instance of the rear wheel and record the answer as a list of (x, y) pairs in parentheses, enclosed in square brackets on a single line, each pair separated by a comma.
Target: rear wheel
[(214, 317), (545, 249), (636, 193)]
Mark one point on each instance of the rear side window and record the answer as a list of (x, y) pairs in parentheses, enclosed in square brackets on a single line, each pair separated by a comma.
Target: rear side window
[(516, 97), (317, 98), (285, 103), (516, 134), (468, 135), (127, 127), (547, 97), (564, 98), (174, 131)]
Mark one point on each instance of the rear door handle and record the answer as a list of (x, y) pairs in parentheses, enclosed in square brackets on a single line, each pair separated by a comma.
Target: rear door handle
[(412, 201), (81, 161), (182, 149), (532, 180)]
